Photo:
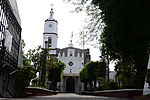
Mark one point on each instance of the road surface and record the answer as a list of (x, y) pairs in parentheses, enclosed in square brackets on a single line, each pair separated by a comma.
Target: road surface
[(69, 96)]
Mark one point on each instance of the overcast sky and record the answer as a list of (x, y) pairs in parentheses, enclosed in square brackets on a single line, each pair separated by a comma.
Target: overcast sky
[(33, 14)]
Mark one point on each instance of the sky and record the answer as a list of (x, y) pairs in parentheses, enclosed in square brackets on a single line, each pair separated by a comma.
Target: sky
[(33, 14)]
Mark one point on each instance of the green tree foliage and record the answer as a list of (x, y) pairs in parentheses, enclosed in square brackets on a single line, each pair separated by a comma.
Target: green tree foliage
[(126, 33), (92, 71), (35, 82), (126, 75), (107, 85), (24, 75), (123, 35), (35, 56), (54, 71), (44, 55)]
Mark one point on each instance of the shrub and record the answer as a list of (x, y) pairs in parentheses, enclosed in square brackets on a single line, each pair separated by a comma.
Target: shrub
[(112, 85), (23, 78), (105, 85), (35, 82)]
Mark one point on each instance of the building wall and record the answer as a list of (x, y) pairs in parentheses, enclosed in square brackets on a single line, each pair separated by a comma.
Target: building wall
[(112, 75), (53, 37), (15, 10), (77, 84), (77, 61), (50, 32), (50, 26), (77, 57), (10, 37)]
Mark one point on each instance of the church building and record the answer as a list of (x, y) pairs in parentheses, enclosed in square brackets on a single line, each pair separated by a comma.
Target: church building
[(74, 58)]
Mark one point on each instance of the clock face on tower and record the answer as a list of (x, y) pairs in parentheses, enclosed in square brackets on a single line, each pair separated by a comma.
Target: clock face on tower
[(50, 25)]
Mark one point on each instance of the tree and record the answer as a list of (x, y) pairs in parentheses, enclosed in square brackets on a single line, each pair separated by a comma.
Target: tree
[(84, 77), (35, 56), (23, 77), (126, 75), (24, 74), (44, 55), (123, 35), (91, 72), (54, 71), (126, 32), (107, 85)]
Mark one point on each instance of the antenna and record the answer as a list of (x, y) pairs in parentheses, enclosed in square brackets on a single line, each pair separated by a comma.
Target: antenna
[(82, 38)]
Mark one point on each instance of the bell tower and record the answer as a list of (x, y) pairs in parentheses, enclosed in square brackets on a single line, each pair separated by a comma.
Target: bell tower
[(50, 36)]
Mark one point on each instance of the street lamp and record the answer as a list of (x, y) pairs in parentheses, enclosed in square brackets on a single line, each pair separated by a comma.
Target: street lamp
[(43, 74), (36, 64)]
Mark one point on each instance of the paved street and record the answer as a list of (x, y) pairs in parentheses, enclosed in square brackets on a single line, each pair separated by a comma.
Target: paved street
[(70, 96)]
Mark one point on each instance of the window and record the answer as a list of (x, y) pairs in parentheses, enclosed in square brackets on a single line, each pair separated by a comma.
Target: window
[(70, 63), (70, 70), (49, 42), (70, 53)]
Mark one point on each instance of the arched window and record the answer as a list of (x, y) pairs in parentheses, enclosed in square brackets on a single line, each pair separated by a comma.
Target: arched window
[(71, 53), (49, 42)]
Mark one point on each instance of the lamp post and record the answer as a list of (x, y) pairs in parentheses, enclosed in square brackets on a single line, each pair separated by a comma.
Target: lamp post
[(43, 74), (36, 65)]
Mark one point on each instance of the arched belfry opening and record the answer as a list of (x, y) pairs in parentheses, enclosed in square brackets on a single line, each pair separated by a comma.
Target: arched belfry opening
[(70, 85)]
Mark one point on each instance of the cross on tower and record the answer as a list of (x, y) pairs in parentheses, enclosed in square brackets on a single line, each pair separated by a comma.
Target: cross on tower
[(51, 12)]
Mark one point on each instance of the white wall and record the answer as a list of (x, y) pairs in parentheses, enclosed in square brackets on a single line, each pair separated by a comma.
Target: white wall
[(52, 29), (54, 38), (77, 62)]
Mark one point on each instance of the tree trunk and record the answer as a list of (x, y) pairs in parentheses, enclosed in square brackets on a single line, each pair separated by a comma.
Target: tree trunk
[(95, 84), (85, 86), (91, 84)]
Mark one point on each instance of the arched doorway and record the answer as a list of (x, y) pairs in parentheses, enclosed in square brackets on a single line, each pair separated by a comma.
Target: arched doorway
[(70, 85)]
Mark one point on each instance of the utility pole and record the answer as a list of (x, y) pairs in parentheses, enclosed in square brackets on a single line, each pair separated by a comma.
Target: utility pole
[(43, 74), (107, 64), (83, 39)]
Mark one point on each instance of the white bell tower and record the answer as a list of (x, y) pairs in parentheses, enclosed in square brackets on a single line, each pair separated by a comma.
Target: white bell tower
[(50, 36)]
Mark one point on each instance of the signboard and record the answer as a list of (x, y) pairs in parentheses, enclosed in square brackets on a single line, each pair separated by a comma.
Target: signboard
[(8, 40)]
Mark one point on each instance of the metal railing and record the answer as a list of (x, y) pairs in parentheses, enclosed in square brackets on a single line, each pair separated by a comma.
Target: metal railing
[(8, 68)]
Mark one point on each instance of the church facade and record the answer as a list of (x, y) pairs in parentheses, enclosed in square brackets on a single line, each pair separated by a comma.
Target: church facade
[(74, 58)]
